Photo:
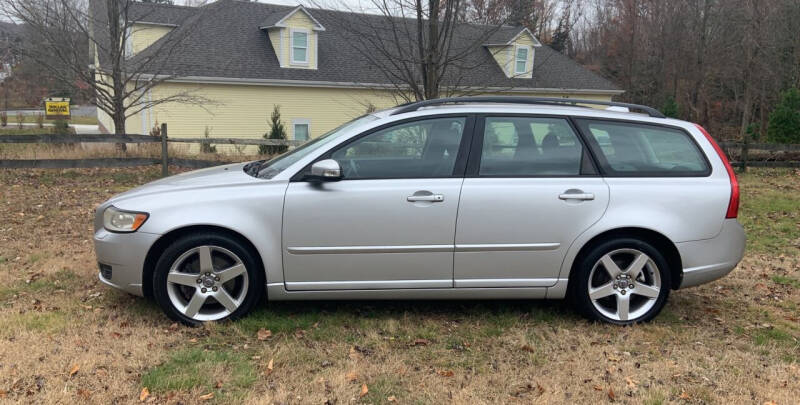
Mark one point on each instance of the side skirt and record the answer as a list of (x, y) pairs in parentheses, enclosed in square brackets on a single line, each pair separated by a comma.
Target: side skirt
[(278, 292)]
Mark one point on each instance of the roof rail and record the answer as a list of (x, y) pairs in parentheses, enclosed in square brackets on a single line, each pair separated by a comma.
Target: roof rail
[(409, 107)]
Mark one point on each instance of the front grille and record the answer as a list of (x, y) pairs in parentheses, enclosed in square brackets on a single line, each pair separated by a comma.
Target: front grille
[(105, 270)]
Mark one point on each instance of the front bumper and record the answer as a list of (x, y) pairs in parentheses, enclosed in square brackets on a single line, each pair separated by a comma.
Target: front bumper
[(125, 253), (710, 259)]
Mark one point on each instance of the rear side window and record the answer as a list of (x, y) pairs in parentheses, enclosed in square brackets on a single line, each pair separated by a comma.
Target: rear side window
[(530, 146), (629, 149)]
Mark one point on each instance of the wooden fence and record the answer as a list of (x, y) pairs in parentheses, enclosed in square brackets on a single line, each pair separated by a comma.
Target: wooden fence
[(742, 155), (164, 160)]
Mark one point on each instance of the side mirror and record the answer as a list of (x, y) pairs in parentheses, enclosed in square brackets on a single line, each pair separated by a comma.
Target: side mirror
[(326, 170)]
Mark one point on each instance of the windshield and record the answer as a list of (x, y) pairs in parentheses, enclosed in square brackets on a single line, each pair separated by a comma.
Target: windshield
[(269, 168)]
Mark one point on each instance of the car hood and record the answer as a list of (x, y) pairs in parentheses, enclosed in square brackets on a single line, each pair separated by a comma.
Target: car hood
[(212, 177)]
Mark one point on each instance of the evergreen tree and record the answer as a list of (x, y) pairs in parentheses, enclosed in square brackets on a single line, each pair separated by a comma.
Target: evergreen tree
[(277, 131), (784, 121), (671, 108)]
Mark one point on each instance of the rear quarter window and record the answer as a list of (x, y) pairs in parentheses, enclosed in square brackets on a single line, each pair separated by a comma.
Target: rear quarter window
[(633, 149)]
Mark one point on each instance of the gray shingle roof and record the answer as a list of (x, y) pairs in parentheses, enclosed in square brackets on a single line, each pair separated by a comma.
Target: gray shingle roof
[(223, 40), (159, 13)]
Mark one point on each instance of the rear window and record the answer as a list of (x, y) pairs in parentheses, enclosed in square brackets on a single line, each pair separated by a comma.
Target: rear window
[(629, 149)]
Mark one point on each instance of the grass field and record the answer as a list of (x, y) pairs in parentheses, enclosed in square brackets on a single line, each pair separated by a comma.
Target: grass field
[(65, 337)]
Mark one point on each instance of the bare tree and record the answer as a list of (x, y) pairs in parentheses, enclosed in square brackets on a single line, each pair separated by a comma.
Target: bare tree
[(120, 81), (420, 47)]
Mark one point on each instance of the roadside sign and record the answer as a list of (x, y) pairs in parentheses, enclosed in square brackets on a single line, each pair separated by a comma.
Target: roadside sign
[(56, 108)]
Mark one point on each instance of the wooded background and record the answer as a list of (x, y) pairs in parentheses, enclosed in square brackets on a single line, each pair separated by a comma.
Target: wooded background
[(726, 64)]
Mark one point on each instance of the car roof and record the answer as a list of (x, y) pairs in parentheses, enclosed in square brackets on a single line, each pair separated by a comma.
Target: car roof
[(543, 109)]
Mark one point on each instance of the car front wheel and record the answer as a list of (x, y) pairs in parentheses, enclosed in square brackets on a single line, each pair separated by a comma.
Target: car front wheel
[(207, 277), (621, 281)]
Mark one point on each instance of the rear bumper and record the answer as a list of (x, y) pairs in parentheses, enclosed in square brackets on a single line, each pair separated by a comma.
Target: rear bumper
[(125, 254), (710, 259)]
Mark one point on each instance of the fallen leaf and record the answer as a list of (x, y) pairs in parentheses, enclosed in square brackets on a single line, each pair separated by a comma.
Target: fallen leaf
[(74, 370), (218, 385), (116, 335), (611, 395), (598, 387), (421, 342), (270, 366), (364, 391), (84, 394), (631, 382), (528, 348), (391, 398), (3, 393), (446, 373), (351, 376), (206, 397), (144, 394), (354, 354), (770, 403), (684, 395), (264, 334)]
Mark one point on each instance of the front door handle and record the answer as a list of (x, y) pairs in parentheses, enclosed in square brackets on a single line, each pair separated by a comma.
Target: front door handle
[(576, 196), (427, 198)]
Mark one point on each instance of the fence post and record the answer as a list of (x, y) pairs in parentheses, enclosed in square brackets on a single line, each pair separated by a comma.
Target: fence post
[(164, 156)]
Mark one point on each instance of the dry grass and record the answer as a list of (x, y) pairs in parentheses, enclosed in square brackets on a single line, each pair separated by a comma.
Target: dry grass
[(732, 341)]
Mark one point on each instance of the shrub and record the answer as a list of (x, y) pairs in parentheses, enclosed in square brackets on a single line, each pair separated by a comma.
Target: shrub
[(784, 120), (61, 127), (207, 147), (3, 118), (40, 120), (156, 130), (671, 108), (277, 131), (20, 118)]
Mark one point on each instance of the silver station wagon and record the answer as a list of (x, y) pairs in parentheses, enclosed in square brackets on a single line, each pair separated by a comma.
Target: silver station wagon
[(463, 198)]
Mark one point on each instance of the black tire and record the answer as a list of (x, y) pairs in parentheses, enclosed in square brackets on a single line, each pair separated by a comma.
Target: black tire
[(579, 280), (255, 273)]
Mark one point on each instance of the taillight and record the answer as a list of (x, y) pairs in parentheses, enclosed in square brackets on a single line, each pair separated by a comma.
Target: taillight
[(733, 205)]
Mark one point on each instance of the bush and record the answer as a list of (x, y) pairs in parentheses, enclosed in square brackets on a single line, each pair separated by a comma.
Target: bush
[(40, 120), (207, 147), (61, 127), (277, 131), (671, 108), (784, 121), (20, 119), (3, 118)]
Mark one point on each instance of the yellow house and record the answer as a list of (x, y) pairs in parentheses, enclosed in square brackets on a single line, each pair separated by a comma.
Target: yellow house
[(242, 58)]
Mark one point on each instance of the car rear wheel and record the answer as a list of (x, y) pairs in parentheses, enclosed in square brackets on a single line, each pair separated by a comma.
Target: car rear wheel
[(207, 277), (621, 281)]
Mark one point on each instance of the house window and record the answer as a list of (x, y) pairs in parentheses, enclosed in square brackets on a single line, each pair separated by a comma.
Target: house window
[(301, 129), (299, 40), (521, 60)]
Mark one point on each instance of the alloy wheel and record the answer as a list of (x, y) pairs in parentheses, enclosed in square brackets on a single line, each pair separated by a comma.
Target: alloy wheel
[(624, 284), (207, 283)]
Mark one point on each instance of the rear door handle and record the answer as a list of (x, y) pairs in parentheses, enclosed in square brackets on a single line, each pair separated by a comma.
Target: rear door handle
[(576, 196), (428, 198)]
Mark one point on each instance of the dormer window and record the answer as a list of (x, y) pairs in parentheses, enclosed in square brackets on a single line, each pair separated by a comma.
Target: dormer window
[(299, 42), (294, 36), (521, 60)]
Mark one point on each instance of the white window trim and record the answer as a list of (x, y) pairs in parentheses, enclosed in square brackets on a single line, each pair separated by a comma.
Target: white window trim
[(291, 46), (301, 121), (527, 59), (128, 51)]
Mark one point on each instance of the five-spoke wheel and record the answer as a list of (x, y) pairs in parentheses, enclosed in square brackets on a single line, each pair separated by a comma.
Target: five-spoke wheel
[(621, 281), (204, 278)]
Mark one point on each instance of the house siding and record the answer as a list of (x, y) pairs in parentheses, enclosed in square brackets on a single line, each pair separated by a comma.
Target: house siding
[(145, 35), (242, 110)]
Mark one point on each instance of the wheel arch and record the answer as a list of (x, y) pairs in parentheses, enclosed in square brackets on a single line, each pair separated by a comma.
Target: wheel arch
[(155, 251), (658, 240)]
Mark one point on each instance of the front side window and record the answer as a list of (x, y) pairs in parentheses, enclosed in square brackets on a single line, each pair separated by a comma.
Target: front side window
[(299, 47), (644, 150), (521, 65), (530, 146), (419, 149)]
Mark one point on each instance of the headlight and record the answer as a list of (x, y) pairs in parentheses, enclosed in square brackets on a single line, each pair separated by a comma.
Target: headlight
[(116, 220)]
